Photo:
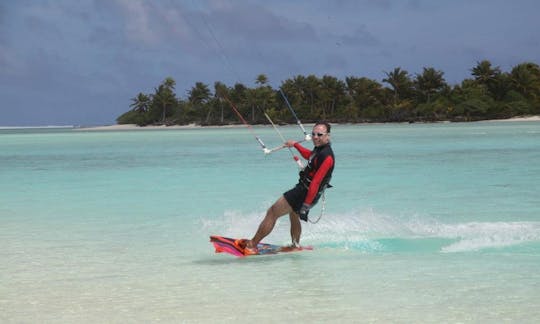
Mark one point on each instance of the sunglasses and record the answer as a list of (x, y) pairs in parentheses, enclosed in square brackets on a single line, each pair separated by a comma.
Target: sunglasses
[(318, 134)]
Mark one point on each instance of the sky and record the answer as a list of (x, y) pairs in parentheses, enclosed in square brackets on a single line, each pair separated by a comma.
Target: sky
[(65, 62)]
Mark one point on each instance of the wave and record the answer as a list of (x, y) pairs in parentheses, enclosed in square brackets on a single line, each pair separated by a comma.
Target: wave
[(371, 232), (477, 236)]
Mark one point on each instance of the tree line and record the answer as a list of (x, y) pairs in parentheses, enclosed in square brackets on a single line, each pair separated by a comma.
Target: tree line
[(401, 97)]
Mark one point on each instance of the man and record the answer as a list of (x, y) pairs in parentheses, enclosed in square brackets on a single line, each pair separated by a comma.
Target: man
[(297, 202)]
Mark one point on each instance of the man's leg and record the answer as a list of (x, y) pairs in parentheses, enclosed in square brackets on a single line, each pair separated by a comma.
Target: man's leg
[(296, 228), (278, 209)]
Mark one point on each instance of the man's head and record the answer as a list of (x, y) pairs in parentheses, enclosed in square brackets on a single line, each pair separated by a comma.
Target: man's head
[(320, 134)]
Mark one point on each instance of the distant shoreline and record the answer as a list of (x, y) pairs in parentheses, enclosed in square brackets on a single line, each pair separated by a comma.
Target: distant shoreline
[(131, 127), (194, 126), (528, 118), (136, 127)]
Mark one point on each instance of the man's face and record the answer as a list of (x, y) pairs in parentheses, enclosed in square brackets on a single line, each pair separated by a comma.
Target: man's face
[(319, 135)]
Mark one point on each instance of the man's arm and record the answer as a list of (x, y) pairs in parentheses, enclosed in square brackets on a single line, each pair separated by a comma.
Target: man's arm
[(315, 184)]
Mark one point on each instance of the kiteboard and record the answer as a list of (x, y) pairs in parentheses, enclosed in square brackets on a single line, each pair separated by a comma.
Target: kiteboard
[(234, 247)]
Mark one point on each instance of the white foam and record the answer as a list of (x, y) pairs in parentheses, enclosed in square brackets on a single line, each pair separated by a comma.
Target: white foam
[(478, 236), (363, 229)]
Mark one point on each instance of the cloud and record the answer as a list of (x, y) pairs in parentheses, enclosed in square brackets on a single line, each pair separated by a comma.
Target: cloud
[(224, 37), (156, 23), (139, 23), (360, 37), (256, 23), (153, 24)]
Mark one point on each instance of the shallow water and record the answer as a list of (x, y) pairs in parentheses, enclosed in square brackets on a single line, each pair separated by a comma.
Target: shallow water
[(425, 223)]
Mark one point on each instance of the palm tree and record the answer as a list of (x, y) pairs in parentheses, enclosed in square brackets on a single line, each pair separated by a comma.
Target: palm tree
[(400, 82), (220, 93), (483, 72), (402, 87), (365, 93), (525, 78), (198, 96), (429, 82), (488, 76), (331, 93), (141, 103), (311, 87), (292, 91), (164, 97), (261, 80), (261, 96), (238, 96)]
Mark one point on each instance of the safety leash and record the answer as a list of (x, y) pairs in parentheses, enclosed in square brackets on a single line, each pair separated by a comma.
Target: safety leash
[(323, 207)]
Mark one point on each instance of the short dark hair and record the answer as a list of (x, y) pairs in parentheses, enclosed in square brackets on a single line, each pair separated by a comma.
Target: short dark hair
[(325, 123)]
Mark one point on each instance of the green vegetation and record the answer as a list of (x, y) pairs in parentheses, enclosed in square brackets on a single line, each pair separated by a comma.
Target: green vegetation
[(489, 94)]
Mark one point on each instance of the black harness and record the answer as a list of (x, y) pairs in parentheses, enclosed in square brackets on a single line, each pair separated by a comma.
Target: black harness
[(318, 155)]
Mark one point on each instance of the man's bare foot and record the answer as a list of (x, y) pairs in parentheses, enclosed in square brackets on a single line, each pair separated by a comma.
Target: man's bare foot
[(246, 246)]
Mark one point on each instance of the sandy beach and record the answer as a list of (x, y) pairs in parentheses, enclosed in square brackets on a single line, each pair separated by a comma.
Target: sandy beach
[(525, 119), (131, 127)]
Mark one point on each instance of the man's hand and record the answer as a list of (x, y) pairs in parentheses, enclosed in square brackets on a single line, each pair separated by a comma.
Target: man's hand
[(289, 143), (304, 211)]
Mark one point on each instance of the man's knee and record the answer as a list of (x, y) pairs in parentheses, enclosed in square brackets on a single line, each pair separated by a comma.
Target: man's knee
[(279, 208), (273, 212)]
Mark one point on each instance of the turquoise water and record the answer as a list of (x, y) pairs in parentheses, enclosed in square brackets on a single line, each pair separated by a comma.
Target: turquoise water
[(425, 223)]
